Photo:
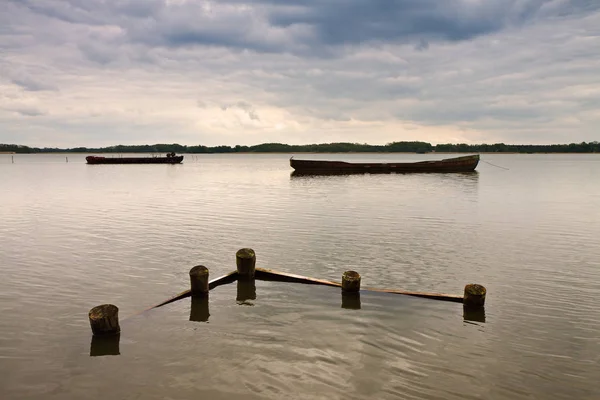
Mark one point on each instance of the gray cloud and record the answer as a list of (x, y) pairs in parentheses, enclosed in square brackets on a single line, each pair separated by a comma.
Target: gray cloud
[(296, 71)]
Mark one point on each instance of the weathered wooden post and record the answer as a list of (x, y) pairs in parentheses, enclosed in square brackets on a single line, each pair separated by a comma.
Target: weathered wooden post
[(474, 295), (246, 290), (245, 260), (104, 320), (350, 282), (199, 280), (199, 309)]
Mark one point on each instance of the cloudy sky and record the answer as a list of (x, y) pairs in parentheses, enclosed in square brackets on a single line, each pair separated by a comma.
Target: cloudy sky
[(104, 72)]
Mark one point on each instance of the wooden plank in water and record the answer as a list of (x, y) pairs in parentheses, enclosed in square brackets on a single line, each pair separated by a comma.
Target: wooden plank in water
[(222, 280), (270, 275), (433, 296)]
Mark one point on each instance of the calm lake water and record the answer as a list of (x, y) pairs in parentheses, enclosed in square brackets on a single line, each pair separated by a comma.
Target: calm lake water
[(73, 236)]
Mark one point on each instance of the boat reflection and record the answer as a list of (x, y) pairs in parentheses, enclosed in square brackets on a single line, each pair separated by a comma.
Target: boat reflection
[(467, 175)]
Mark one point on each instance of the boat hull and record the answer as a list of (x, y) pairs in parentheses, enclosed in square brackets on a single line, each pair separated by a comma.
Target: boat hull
[(134, 160), (318, 167)]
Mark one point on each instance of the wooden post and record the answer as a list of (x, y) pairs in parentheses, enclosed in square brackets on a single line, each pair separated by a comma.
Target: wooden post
[(199, 280), (246, 290), (474, 295), (245, 260), (12, 158), (104, 320), (199, 309), (350, 281)]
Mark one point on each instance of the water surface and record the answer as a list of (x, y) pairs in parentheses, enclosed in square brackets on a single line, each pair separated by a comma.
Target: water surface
[(73, 236)]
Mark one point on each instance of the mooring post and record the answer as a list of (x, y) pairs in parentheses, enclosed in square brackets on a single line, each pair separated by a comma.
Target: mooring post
[(474, 295), (199, 280), (350, 282), (245, 260), (104, 320), (12, 158)]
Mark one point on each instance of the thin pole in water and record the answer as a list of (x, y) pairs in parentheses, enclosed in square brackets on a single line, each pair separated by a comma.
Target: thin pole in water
[(13, 159), (67, 159)]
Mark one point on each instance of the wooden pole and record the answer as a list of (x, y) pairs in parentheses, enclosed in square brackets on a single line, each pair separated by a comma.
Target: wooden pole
[(474, 295), (104, 320), (350, 281), (245, 260), (199, 280)]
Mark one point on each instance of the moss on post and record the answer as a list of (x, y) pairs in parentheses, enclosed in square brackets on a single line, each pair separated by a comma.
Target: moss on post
[(350, 281), (104, 320), (245, 260), (199, 280), (474, 295)]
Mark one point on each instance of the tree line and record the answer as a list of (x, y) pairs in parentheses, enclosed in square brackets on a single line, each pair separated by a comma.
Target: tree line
[(342, 147)]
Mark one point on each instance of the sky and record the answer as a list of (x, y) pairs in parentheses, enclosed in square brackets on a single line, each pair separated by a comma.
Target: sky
[(106, 72)]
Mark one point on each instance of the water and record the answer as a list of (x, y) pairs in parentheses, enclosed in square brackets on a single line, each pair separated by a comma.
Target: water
[(73, 236)]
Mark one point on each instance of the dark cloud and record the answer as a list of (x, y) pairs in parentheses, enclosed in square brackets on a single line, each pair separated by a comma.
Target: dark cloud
[(305, 26), (312, 70)]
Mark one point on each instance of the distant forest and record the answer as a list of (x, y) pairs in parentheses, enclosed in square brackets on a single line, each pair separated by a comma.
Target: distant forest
[(395, 147)]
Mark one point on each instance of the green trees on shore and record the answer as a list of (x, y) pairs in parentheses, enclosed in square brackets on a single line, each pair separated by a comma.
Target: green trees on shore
[(394, 147)]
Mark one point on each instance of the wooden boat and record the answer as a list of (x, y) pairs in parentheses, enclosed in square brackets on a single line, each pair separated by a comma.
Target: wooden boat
[(171, 158), (318, 167)]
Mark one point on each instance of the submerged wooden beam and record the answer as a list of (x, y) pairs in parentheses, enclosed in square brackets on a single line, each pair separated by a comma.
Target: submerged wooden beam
[(270, 275), (434, 296), (222, 280)]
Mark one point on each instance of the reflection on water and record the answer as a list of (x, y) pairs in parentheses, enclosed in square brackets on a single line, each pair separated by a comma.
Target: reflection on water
[(529, 234), (246, 290), (351, 301), (475, 314), (199, 309), (105, 345)]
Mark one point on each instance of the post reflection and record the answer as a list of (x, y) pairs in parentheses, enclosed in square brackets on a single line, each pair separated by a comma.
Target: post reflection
[(475, 314), (105, 345), (246, 290), (351, 301), (199, 309)]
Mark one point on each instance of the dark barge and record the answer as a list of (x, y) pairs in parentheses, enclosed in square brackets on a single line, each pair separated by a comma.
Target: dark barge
[(318, 167), (170, 158)]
